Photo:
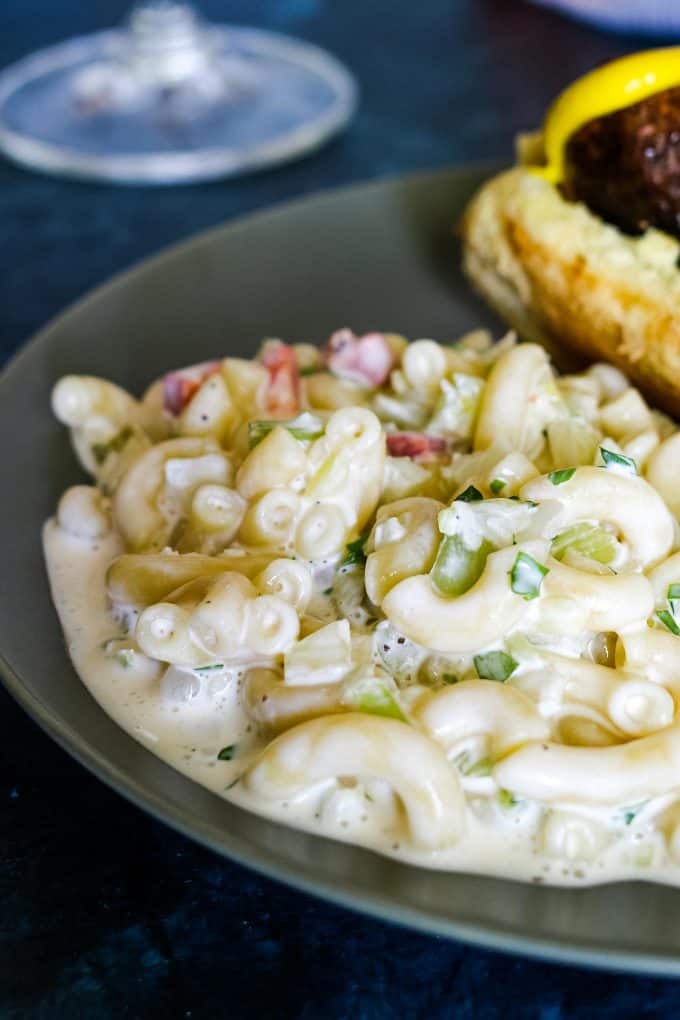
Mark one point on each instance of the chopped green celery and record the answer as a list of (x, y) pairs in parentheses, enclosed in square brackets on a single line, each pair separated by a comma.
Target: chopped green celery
[(349, 595), (589, 540), (439, 670), (500, 521), (497, 665), (398, 655), (406, 414), (573, 558), (618, 462), (526, 576), (457, 407), (100, 451), (456, 568), (558, 477), (572, 441), (333, 471), (322, 657), (305, 426), (479, 768), (371, 694), (482, 767)]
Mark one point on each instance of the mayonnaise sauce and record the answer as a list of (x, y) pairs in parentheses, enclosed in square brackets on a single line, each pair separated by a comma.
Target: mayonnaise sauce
[(187, 720)]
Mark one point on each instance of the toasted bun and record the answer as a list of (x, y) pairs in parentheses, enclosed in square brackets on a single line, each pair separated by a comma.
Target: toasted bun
[(559, 274)]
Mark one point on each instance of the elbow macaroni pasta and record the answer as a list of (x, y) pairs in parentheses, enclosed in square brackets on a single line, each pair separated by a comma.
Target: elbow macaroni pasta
[(430, 594)]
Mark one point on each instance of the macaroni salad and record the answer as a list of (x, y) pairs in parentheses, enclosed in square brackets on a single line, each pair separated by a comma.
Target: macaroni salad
[(421, 597)]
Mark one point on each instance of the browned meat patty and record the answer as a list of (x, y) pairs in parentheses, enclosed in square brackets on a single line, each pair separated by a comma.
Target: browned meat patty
[(626, 166)]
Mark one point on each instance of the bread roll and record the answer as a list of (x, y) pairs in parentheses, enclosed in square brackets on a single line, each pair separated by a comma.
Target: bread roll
[(559, 274)]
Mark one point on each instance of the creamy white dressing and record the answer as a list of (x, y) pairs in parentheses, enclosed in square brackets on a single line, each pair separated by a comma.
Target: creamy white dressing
[(187, 718), (421, 704)]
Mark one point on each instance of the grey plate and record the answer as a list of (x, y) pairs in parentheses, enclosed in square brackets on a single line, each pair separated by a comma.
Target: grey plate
[(379, 256)]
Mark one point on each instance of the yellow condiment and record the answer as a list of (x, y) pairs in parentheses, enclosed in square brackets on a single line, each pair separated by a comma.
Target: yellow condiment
[(612, 87)]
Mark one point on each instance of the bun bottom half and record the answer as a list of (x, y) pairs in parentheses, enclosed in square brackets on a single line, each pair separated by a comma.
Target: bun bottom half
[(560, 275)]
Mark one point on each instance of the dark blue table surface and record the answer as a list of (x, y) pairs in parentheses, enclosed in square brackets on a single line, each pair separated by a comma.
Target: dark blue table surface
[(104, 912)]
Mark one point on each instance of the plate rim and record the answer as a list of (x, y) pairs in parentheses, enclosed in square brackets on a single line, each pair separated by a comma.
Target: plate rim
[(495, 936), (237, 223)]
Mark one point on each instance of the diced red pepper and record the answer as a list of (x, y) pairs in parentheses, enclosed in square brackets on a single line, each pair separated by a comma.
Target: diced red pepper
[(282, 396), (180, 386), (366, 360), (417, 445)]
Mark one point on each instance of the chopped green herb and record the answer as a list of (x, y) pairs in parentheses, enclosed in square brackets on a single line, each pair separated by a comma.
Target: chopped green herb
[(355, 552), (668, 620), (305, 426), (506, 799), (630, 812), (496, 665), (227, 753), (449, 678), (310, 370), (669, 617), (558, 477), (526, 576), (469, 495), (456, 568), (100, 451), (212, 668), (497, 485), (328, 591), (617, 460)]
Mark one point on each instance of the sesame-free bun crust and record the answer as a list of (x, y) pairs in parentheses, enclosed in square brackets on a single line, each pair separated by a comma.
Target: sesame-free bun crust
[(559, 274)]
